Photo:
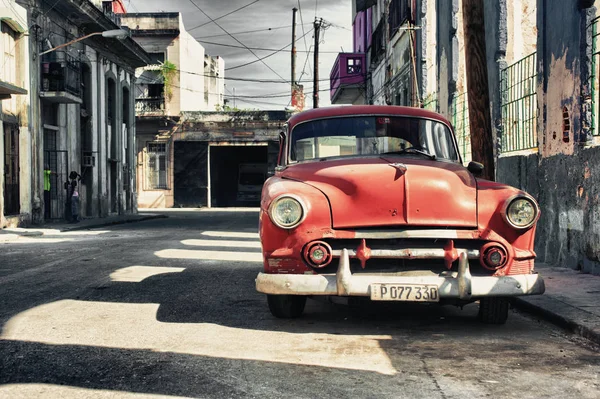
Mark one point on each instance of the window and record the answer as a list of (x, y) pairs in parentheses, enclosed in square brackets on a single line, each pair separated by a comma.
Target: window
[(157, 58), (156, 167), (8, 71), (354, 66), (399, 13)]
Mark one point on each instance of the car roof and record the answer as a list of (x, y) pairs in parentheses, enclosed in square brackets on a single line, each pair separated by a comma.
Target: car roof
[(328, 112)]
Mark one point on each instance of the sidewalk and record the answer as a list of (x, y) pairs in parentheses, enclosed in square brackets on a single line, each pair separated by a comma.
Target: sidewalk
[(572, 301), (11, 234)]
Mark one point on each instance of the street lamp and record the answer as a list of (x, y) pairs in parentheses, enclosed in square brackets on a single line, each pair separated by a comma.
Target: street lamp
[(113, 34)]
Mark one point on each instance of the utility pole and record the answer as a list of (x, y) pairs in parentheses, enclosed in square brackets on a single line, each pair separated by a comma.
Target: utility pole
[(316, 66), (482, 143), (294, 48)]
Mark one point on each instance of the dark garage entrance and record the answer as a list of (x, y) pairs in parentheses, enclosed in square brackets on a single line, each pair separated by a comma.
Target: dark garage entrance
[(190, 167), (229, 187)]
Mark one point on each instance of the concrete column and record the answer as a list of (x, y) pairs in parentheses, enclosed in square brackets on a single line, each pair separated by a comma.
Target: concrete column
[(101, 161)]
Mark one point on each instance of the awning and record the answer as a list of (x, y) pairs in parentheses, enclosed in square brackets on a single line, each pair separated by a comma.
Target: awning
[(6, 89)]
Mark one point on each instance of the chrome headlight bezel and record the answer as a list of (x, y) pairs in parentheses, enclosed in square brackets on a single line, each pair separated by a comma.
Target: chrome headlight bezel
[(510, 202), (286, 197)]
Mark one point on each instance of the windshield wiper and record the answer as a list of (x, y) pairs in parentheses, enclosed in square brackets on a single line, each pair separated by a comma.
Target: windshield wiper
[(411, 150)]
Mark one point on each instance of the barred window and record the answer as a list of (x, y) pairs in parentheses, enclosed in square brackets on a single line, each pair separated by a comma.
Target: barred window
[(157, 166)]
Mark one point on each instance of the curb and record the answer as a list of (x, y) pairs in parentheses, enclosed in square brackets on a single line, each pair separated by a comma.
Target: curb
[(559, 320), (112, 223)]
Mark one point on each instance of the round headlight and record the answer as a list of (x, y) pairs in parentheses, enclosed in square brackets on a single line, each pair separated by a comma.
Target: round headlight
[(287, 212), (521, 213)]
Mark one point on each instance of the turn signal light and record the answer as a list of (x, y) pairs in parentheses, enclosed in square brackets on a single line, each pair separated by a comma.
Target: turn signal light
[(493, 256), (318, 254)]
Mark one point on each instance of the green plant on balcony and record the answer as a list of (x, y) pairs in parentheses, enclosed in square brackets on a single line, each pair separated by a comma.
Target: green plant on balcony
[(168, 70)]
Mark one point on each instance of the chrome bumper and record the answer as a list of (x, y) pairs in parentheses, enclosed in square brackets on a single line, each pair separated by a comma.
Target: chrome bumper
[(460, 285)]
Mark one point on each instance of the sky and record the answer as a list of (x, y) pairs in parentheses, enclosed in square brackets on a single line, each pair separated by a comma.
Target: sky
[(264, 26)]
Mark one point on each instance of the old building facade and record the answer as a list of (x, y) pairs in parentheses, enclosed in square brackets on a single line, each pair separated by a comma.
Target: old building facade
[(79, 115), (190, 152), (15, 136)]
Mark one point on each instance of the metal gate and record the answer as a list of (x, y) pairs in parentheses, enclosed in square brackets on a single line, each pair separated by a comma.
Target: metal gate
[(518, 86), (58, 163), (12, 197)]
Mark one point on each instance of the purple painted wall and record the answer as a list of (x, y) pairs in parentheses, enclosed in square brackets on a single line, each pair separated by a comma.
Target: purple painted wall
[(362, 31)]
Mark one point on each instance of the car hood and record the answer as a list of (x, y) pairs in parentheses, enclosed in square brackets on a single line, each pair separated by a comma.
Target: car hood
[(392, 191)]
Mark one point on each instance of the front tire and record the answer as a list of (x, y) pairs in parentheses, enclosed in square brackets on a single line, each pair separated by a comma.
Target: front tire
[(286, 306), (493, 310)]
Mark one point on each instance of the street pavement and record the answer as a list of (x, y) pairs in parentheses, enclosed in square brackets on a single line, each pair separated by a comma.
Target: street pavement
[(167, 308)]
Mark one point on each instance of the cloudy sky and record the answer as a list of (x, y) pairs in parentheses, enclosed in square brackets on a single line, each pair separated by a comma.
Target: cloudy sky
[(264, 26)]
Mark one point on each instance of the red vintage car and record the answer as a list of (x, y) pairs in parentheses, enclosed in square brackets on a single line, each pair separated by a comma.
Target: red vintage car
[(374, 201)]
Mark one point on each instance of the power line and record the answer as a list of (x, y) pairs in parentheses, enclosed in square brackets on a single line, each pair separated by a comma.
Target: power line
[(223, 16), (264, 49), (306, 48), (242, 79), (233, 37), (267, 56), (248, 31)]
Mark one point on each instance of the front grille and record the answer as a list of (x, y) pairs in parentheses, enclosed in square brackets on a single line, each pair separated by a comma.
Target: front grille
[(402, 266)]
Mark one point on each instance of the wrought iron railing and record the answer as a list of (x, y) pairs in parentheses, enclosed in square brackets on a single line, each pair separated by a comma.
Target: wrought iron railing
[(460, 120), (149, 105), (61, 72), (518, 83)]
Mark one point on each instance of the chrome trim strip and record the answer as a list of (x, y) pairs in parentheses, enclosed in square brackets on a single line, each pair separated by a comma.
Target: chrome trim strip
[(385, 234), (410, 253)]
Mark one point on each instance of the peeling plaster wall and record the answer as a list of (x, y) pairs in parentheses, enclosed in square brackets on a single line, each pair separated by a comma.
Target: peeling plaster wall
[(563, 176), (568, 190), (430, 39), (559, 55)]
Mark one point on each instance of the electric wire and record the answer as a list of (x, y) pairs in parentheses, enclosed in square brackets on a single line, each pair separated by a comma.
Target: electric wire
[(234, 38), (246, 32), (306, 47), (223, 16), (264, 49), (244, 79), (261, 59)]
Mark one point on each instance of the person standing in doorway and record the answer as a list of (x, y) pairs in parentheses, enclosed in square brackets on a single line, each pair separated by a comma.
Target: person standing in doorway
[(47, 191), (72, 205)]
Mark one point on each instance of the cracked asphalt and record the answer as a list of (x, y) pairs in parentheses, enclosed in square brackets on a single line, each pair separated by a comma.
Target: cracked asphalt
[(167, 308)]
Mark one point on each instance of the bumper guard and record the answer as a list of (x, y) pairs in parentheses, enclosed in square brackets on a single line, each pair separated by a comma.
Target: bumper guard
[(457, 285)]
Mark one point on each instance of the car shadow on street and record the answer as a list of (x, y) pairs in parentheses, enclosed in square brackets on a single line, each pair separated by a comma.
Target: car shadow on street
[(227, 297)]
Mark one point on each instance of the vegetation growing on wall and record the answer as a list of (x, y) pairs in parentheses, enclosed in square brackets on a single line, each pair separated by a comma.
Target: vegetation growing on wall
[(167, 70)]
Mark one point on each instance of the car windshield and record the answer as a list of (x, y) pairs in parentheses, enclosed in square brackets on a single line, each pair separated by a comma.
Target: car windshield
[(371, 135)]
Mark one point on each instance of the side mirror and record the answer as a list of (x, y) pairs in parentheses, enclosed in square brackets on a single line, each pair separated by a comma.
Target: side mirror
[(476, 168)]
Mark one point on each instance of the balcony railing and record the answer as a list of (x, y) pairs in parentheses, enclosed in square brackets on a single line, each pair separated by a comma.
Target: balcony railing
[(347, 78), (61, 72), (152, 105)]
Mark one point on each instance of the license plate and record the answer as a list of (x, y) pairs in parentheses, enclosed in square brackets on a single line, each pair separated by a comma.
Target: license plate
[(404, 292)]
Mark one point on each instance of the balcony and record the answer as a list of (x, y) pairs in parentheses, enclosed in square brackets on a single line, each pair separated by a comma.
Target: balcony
[(150, 106), (347, 79), (61, 78)]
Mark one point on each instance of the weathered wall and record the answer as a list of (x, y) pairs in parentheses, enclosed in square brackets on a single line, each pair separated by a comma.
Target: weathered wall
[(496, 41), (563, 176), (559, 85), (447, 52), (191, 80), (568, 190), (16, 111)]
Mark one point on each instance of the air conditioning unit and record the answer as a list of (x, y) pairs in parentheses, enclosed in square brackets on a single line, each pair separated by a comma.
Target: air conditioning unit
[(88, 161)]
